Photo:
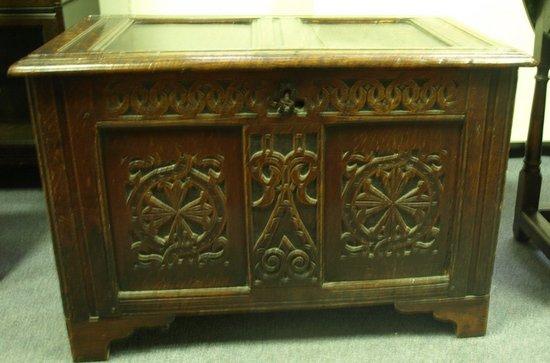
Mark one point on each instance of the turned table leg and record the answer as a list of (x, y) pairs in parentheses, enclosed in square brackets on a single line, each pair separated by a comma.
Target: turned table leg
[(530, 179)]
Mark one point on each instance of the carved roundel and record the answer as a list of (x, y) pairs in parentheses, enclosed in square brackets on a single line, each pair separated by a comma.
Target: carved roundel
[(391, 203), (178, 210)]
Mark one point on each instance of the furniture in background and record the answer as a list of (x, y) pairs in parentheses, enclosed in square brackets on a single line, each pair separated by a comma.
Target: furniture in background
[(530, 223), (24, 26), (207, 166)]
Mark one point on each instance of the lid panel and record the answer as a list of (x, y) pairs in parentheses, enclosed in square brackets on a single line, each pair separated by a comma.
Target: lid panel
[(125, 44), (170, 37), (375, 34)]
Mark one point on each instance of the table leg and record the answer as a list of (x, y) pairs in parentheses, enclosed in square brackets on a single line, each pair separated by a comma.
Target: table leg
[(530, 177)]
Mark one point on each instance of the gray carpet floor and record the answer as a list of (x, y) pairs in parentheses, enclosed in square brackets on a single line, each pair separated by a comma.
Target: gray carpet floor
[(32, 325)]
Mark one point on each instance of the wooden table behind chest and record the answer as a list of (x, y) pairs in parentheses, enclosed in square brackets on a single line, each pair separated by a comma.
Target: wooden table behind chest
[(249, 190), (24, 26)]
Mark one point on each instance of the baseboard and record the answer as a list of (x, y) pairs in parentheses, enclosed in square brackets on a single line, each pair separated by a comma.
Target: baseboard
[(517, 149)]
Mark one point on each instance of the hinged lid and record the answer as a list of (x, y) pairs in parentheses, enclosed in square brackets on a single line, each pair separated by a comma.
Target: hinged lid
[(123, 44)]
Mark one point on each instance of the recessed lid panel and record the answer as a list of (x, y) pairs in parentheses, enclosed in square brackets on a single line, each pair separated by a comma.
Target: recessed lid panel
[(177, 37), (396, 34)]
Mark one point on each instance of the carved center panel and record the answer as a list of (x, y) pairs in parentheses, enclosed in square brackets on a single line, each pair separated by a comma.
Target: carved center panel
[(284, 209), (391, 203), (178, 210)]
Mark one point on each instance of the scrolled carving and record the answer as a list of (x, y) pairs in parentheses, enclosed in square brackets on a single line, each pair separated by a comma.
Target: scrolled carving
[(178, 210), (418, 98), (383, 99), (227, 100), (150, 100), (117, 98), (284, 251), (447, 94), (264, 98), (345, 99), (383, 96), (174, 97), (187, 101), (391, 203)]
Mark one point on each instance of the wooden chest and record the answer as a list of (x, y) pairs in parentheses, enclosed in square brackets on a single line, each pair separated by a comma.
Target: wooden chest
[(205, 166)]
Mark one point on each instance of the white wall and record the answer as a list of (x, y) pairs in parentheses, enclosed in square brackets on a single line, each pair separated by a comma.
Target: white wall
[(502, 20)]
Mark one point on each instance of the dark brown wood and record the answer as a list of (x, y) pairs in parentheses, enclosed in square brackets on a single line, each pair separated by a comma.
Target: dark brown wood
[(25, 26), (253, 189), (91, 340), (529, 224), (469, 315)]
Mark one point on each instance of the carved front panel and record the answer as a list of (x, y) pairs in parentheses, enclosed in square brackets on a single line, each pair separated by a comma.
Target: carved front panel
[(284, 171), (390, 200), (391, 203), (178, 210), (175, 197)]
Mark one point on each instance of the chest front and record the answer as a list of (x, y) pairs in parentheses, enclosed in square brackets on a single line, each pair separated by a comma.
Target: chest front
[(285, 186)]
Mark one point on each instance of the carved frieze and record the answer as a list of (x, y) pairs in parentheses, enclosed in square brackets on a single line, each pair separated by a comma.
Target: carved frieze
[(383, 96), (344, 97)]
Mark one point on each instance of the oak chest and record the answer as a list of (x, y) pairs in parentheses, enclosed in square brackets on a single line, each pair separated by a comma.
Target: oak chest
[(202, 166)]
